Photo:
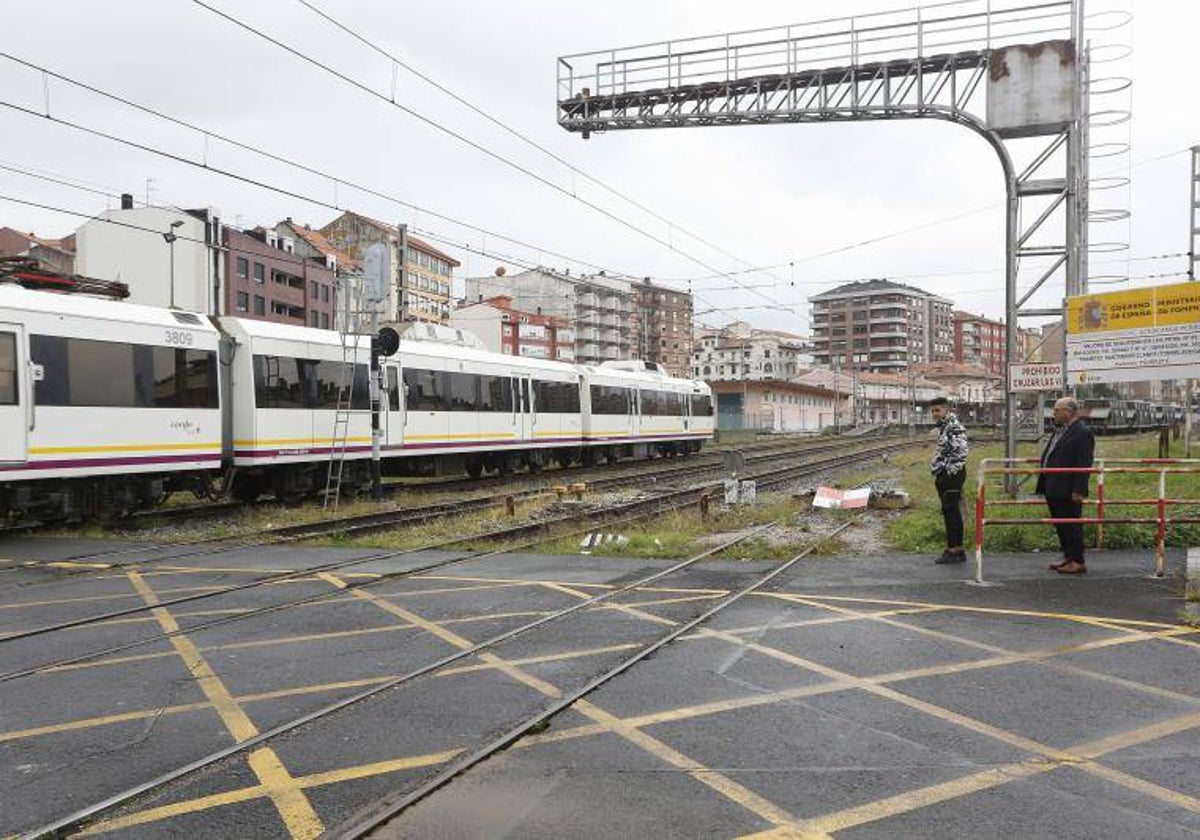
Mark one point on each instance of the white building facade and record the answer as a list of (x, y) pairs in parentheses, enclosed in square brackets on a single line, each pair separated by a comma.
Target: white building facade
[(131, 246), (739, 351)]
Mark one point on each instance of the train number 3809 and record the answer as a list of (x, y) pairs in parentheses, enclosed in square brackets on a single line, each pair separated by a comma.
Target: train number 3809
[(180, 338)]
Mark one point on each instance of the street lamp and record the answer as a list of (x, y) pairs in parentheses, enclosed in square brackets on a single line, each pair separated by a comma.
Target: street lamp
[(170, 238)]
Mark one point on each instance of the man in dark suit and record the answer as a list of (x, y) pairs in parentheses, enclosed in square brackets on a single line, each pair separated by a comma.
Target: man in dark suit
[(1071, 445)]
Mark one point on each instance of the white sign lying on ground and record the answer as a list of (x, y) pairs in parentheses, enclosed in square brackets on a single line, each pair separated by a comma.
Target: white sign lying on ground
[(1041, 377), (834, 499)]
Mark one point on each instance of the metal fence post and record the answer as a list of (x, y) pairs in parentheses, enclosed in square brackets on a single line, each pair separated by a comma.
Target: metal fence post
[(1100, 505), (1161, 558), (980, 496)]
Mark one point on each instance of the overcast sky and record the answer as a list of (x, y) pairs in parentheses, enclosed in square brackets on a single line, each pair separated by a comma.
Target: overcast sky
[(768, 195)]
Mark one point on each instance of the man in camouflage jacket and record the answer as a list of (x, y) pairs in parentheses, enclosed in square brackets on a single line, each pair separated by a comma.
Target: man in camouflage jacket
[(949, 470)]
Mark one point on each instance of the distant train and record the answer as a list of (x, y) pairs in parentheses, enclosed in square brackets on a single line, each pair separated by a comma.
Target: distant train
[(1114, 417), (108, 407)]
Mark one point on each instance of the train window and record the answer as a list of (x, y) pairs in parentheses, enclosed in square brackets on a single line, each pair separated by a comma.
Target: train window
[(8, 369), (321, 382), (101, 373), (650, 403), (423, 390), (701, 405), (277, 382), (82, 372), (200, 389), (609, 399), (51, 353), (495, 394), (461, 391), (556, 397)]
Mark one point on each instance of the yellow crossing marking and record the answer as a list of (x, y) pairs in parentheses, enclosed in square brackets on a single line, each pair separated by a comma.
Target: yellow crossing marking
[(122, 596), (727, 787), (968, 608), (293, 807)]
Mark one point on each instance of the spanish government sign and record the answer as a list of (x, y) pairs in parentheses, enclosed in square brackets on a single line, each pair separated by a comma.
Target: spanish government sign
[(1134, 336), (1040, 377)]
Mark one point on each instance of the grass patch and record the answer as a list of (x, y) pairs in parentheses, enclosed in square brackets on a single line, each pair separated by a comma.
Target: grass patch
[(920, 528)]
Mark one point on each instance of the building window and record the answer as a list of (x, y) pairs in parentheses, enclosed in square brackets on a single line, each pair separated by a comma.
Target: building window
[(312, 318), (324, 320), (260, 273), (315, 289), (324, 294), (260, 305), (243, 268), (243, 302)]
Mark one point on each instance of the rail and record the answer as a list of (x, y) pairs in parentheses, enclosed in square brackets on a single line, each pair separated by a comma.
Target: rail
[(1162, 467)]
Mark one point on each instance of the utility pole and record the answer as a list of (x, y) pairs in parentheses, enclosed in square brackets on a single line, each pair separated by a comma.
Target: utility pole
[(1193, 238), (837, 396)]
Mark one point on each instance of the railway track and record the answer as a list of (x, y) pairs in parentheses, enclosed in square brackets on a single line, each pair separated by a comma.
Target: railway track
[(551, 528), (372, 813), (376, 521), (516, 481)]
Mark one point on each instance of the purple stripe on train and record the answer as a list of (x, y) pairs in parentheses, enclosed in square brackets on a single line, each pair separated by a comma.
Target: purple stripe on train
[(68, 463)]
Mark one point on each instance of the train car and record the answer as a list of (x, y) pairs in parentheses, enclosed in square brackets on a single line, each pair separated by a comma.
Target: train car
[(634, 409), (448, 407), (460, 408), (105, 407), (284, 387)]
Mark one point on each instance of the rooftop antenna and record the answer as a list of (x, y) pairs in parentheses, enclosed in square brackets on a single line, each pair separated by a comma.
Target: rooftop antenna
[(149, 189)]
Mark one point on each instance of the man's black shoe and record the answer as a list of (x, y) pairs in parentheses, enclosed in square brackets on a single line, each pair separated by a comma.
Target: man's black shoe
[(949, 556)]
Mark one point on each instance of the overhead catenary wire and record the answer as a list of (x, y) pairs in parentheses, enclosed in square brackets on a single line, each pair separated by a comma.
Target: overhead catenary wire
[(464, 139), (523, 137), (277, 158)]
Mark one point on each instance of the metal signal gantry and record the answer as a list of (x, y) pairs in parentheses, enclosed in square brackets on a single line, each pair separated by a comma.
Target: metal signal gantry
[(1011, 71)]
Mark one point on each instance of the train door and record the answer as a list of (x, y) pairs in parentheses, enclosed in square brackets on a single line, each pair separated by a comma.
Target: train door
[(635, 412), (522, 408), (15, 411), (393, 405), (686, 399)]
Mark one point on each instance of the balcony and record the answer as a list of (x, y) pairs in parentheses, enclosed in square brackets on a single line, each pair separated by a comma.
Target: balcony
[(890, 334), (587, 301)]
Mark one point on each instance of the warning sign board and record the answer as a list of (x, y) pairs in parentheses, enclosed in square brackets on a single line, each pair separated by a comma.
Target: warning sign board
[(1044, 377), (1134, 336)]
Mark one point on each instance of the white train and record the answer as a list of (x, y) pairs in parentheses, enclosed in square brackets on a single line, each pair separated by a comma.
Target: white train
[(107, 407)]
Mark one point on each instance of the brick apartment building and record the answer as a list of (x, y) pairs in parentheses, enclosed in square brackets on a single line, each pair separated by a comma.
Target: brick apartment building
[(514, 332), (880, 326), (660, 322), (979, 341), (267, 280)]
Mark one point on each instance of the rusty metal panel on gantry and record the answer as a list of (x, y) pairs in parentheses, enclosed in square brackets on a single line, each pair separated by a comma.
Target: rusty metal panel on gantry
[(1031, 88)]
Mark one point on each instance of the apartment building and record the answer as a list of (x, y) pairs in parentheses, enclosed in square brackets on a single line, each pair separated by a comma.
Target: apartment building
[(269, 281), (660, 322), (979, 341), (597, 307), (424, 293), (740, 352), (503, 329), (880, 326)]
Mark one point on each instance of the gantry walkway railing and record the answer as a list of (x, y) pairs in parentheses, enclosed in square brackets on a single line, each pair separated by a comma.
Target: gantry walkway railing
[(890, 64)]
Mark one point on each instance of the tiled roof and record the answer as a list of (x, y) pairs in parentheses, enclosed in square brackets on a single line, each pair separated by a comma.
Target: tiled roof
[(318, 241), (875, 285), (955, 369), (413, 242)]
